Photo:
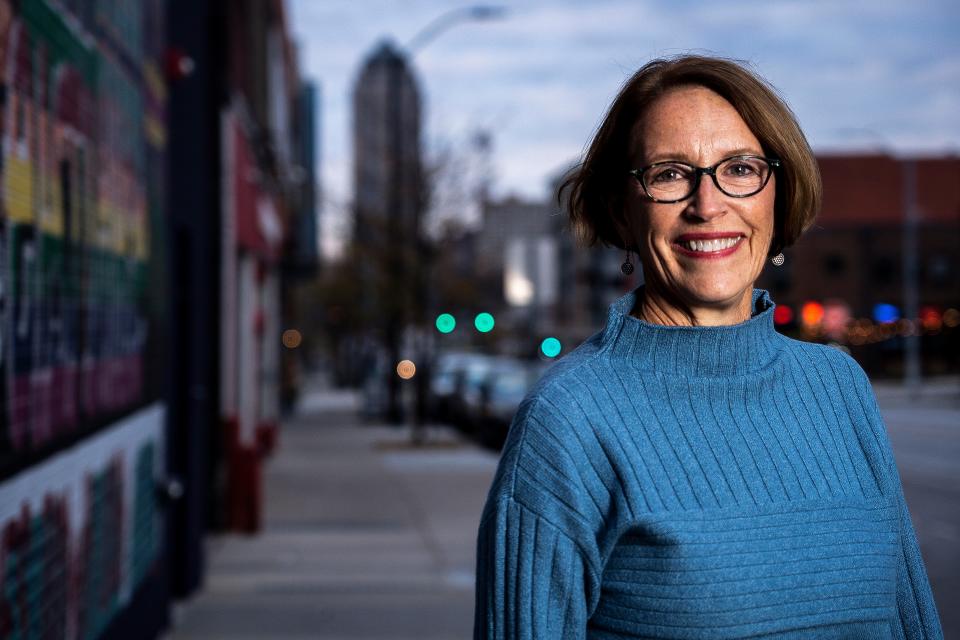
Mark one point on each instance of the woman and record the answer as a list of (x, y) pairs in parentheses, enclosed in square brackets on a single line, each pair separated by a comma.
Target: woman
[(688, 472)]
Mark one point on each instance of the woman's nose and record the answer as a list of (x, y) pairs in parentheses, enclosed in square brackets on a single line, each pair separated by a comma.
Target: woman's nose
[(707, 202)]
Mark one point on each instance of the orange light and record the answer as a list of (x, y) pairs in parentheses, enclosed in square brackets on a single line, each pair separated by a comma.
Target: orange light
[(951, 318), (406, 369), (811, 314), (292, 338)]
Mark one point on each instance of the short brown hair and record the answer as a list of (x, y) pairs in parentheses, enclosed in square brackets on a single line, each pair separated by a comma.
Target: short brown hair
[(596, 187)]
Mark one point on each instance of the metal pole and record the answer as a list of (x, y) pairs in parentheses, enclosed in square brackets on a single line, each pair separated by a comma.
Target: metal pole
[(396, 321), (911, 370)]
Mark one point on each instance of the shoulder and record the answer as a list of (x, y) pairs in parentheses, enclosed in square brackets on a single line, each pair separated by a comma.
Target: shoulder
[(834, 365), (547, 464), (834, 374)]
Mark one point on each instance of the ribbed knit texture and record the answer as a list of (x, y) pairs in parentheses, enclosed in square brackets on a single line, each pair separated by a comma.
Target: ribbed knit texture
[(700, 482)]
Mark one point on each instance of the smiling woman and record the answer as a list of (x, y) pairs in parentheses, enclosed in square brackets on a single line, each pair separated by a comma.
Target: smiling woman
[(688, 472)]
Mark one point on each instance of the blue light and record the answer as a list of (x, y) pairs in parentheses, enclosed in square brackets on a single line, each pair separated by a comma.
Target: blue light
[(884, 313)]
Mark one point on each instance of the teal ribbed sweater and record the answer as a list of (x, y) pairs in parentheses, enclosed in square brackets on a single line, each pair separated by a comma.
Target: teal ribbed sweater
[(700, 482)]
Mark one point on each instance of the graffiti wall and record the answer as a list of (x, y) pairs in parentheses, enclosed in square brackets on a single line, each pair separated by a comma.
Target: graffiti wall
[(81, 432), (80, 532), (73, 221)]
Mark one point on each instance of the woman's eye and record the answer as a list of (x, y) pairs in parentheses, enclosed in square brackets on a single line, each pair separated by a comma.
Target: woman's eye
[(741, 170), (667, 174)]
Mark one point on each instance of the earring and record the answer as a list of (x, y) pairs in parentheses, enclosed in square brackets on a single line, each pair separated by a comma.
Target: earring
[(627, 267), (778, 260)]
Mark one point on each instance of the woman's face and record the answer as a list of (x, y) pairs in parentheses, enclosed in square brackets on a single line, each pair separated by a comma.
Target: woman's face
[(707, 251)]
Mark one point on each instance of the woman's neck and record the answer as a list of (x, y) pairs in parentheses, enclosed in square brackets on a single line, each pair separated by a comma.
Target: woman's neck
[(670, 310)]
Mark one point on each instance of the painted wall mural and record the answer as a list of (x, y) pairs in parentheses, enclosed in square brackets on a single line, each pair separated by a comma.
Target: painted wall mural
[(81, 433), (80, 532), (73, 219)]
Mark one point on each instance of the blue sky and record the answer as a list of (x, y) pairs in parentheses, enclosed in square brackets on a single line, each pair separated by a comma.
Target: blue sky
[(880, 75)]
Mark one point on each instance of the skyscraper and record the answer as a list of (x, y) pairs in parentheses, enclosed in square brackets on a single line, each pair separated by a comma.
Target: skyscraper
[(386, 133)]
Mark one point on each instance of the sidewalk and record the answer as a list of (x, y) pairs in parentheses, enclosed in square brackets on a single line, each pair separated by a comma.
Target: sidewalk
[(364, 537)]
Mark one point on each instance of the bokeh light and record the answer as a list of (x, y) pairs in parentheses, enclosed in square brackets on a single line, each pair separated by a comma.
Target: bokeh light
[(446, 323), (930, 318), (884, 313), (811, 314), (291, 338), (951, 318), (782, 314), (550, 347), (406, 369), (483, 322)]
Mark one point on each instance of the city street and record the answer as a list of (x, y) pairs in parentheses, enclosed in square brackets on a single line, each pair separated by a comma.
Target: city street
[(367, 537)]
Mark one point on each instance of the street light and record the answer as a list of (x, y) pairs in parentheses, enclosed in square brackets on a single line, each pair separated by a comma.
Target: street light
[(444, 21), (426, 35)]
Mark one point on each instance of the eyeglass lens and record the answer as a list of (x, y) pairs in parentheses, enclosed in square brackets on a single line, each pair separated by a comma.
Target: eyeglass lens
[(740, 176)]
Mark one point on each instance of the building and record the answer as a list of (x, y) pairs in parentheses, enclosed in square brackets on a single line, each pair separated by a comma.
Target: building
[(853, 260), (388, 186), (543, 283), (83, 409), (149, 169)]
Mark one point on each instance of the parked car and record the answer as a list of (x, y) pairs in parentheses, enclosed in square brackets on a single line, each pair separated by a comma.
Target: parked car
[(502, 394), (468, 390), (444, 383)]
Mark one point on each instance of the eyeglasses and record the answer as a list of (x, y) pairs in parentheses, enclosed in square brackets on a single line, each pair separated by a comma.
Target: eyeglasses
[(737, 177)]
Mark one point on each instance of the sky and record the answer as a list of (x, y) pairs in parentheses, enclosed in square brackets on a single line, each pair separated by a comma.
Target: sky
[(875, 75)]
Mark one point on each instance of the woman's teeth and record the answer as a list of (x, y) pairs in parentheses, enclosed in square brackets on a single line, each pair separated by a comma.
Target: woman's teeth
[(707, 246)]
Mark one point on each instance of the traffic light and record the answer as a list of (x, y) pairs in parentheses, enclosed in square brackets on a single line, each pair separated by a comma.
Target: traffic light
[(446, 323), (550, 347), (483, 322)]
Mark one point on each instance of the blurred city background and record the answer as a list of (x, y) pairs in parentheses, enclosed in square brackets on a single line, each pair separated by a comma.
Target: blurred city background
[(275, 274)]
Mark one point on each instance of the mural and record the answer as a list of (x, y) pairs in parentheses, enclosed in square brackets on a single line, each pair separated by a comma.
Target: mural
[(81, 445), (74, 223), (80, 532)]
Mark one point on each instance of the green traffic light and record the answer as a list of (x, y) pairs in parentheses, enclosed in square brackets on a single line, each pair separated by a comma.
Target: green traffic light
[(550, 347), (483, 322), (446, 323)]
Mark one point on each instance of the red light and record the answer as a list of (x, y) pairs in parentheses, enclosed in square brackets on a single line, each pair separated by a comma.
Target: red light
[(931, 318), (782, 315)]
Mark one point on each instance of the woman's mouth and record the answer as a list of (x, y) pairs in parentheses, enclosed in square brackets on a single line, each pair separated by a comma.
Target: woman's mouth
[(713, 245)]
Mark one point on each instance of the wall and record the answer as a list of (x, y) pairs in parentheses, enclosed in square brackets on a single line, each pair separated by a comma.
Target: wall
[(81, 428)]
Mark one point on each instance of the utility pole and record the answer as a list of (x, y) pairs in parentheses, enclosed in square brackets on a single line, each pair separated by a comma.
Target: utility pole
[(911, 368)]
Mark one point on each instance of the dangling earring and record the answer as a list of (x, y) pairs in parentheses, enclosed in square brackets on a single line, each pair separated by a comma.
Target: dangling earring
[(778, 259), (627, 267)]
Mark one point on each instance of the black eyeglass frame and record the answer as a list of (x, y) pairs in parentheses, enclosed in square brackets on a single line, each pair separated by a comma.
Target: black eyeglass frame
[(773, 163)]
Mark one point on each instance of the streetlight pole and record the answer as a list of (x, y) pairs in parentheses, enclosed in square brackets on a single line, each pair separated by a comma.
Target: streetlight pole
[(404, 236)]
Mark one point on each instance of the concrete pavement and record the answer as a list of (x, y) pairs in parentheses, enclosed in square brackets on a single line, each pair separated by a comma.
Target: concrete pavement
[(364, 537)]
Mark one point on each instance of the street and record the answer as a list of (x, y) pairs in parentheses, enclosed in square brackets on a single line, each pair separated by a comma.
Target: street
[(368, 537)]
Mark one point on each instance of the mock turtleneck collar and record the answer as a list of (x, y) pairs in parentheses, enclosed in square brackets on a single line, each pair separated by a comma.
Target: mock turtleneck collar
[(699, 351)]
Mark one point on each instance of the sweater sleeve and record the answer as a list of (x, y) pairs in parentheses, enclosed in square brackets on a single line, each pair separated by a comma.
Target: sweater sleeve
[(531, 578), (536, 547), (918, 619)]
